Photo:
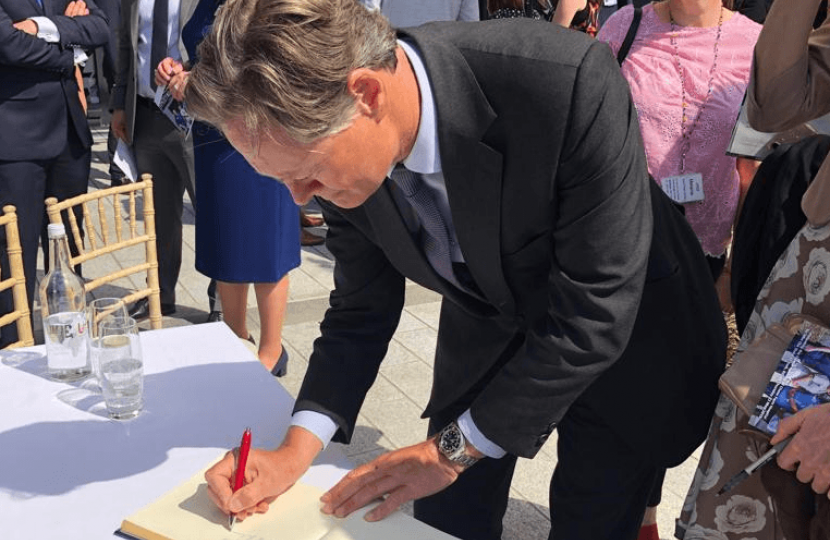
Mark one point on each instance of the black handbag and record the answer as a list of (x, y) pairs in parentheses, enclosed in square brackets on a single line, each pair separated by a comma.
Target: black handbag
[(530, 9)]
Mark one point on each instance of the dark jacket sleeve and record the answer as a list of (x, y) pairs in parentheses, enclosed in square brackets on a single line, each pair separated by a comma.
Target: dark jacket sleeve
[(85, 32), (124, 64), (790, 82), (365, 308), (20, 49), (600, 246), (23, 50)]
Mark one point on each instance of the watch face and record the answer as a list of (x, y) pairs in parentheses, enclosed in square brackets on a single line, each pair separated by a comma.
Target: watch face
[(451, 440)]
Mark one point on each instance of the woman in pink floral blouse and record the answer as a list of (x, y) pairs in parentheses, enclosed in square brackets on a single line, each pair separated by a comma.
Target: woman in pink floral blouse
[(699, 53)]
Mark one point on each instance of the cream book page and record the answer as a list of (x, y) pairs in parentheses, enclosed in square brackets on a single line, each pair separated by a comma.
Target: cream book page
[(187, 513)]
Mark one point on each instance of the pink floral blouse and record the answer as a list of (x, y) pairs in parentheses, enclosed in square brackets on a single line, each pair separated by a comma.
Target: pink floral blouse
[(651, 71)]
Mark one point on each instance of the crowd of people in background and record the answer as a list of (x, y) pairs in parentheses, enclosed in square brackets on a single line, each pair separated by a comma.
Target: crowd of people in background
[(685, 69)]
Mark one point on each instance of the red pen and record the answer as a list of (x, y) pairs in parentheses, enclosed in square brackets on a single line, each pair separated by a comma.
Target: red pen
[(239, 477)]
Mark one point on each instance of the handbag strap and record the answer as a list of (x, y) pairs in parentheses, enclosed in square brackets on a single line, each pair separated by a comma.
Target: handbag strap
[(629, 37)]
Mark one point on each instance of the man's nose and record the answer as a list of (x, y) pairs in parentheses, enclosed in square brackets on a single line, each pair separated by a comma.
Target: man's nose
[(300, 192)]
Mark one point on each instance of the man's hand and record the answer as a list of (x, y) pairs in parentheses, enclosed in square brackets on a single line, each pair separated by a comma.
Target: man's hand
[(76, 9), (119, 125), (27, 25), (809, 452), (268, 474), (177, 85), (400, 476), (166, 69)]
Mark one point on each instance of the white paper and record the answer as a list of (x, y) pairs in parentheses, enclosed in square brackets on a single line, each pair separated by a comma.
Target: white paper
[(175, 111), (125, 160)]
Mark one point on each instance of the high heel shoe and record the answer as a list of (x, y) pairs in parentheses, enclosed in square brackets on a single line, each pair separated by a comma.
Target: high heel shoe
[(280, 369)]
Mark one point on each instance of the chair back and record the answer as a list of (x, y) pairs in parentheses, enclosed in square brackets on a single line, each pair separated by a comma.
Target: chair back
[(110, 219), (16, 281)]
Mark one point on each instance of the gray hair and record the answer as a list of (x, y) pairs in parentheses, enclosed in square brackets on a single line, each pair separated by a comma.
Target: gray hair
[(287, 62)]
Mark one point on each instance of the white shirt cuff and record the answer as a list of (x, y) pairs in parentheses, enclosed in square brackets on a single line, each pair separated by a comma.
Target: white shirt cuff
[(46, 29), (318, 424), (80, 56), (477, 438)]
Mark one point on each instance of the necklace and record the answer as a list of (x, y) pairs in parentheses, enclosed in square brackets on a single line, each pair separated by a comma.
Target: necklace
[(686, 135)]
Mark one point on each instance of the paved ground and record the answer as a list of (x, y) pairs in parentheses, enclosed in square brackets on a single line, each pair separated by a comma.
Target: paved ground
[(391, 415)]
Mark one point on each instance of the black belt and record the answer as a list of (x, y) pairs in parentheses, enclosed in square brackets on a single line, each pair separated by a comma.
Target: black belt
[(146, 102)]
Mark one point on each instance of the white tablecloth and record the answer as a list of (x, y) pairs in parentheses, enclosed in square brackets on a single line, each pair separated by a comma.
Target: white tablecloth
[(68, 472)]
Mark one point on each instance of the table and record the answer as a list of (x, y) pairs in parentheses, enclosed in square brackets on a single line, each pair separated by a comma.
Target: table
[(69, 472)]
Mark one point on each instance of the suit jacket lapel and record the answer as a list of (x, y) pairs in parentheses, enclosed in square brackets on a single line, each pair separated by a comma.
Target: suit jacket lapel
[(472, 170), (186, 9)]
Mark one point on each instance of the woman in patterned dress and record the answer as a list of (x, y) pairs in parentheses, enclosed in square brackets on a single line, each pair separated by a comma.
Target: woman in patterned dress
[(787, 500)]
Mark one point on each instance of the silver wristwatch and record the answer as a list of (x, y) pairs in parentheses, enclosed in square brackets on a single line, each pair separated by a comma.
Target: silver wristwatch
[(453, 445)]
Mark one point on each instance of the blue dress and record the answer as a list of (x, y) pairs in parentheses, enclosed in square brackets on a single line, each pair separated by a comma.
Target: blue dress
[(247, 225)]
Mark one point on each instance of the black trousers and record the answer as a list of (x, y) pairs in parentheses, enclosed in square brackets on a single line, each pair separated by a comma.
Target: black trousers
[(26, 184), (160, 149), (598, 491)]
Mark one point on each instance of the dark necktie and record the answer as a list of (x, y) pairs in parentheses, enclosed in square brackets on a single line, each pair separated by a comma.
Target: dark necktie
[(435, 239), (158, 49)]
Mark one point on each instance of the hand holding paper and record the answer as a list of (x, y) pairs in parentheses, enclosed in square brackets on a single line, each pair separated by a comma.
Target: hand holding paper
[(807, 454), (166, 69)]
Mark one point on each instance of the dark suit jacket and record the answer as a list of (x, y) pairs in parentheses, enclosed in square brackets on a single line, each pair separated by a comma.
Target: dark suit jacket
[(38, 93), (595, 287)]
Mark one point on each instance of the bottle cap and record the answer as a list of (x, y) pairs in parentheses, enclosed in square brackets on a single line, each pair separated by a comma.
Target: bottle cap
[(56, 230)]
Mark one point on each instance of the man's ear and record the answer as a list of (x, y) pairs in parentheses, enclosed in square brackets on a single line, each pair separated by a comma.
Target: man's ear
[(368, 91)]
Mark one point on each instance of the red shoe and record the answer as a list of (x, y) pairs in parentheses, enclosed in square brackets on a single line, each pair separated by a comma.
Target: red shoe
[(649, 532)]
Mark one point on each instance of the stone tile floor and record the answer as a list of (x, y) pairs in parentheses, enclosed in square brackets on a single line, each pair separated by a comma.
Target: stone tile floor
[(391, 415)]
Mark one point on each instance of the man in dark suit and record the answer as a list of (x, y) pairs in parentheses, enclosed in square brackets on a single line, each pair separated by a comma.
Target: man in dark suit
[(45, 139), (576, 297), (160, 149)]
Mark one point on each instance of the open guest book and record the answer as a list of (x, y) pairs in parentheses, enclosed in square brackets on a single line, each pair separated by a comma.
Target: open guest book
[(187, 513)]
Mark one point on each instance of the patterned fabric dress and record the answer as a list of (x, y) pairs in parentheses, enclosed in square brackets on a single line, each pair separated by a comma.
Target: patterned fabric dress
[(585, 20), (772, 504), (651, 70)]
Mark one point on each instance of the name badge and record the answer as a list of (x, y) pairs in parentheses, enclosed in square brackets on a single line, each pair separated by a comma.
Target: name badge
[(684, 188)]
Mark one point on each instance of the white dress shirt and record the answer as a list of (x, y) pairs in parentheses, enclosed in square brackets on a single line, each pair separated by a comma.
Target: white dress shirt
[(426, 160), (146, 72)]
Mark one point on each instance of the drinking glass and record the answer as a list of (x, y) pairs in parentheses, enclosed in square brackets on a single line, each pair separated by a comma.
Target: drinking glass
[(99, 311), (121, 367)]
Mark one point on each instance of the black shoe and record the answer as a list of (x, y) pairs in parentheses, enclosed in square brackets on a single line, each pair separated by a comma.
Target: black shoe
[(280, 369), (215, 316), (141, 309)]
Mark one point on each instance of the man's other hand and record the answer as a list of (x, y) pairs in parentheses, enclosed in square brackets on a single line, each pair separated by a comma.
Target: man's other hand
[(76, 9), (119, 125), (27, 25), (398, 477)]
